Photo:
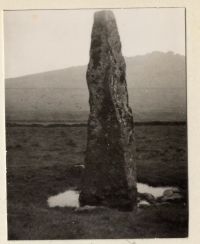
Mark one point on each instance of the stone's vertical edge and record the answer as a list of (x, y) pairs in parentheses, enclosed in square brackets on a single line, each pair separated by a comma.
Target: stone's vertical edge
[(110, 173)]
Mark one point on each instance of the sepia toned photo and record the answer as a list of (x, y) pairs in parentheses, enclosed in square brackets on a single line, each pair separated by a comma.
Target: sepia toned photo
[(96, 124)]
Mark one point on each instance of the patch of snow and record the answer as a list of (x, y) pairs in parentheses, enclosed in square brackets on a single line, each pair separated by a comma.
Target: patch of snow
[(70, 198), (155, 191), (143, 203)]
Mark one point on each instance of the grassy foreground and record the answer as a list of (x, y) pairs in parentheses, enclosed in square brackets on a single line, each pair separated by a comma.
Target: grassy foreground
[(40, 164)]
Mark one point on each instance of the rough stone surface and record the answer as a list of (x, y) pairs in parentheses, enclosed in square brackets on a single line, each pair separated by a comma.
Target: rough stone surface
[(168, 193), (110, 171), (147, 197), (174, 197)]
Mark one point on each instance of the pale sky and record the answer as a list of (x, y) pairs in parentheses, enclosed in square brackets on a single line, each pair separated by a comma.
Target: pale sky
[(43, 40)]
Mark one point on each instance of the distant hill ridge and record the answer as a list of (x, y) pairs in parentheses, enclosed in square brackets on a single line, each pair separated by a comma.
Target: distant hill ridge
[(156, 86)]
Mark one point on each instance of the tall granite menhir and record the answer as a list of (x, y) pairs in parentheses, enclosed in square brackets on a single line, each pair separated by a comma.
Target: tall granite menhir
[(110, 170)]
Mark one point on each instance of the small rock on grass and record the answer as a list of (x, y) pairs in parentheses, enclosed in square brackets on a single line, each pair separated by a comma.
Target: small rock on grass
[(147, 197), (170, 192), (173, 197), (143, 204)]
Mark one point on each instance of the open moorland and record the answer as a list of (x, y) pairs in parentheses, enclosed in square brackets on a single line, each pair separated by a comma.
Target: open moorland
[(40, 163)]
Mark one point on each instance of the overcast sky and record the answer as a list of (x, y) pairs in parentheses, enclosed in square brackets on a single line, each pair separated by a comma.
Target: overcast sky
[(37, 41)]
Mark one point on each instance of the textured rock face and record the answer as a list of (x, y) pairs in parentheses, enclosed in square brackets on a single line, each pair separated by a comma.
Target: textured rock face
[(110, 173)]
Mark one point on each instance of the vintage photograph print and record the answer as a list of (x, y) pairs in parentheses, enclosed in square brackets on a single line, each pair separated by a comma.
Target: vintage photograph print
[(96, 124)]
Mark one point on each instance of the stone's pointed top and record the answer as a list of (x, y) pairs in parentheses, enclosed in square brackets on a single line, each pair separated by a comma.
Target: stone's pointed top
[(105, 36), (104, 15)]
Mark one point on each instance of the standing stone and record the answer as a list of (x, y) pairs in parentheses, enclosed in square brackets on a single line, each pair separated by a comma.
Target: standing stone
[(110, 171)]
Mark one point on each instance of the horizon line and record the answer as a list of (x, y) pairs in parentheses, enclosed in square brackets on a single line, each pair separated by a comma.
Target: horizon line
[(80, 65)]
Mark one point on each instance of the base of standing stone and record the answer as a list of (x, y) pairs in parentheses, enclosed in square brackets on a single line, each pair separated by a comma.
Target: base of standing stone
[(123, 202)]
